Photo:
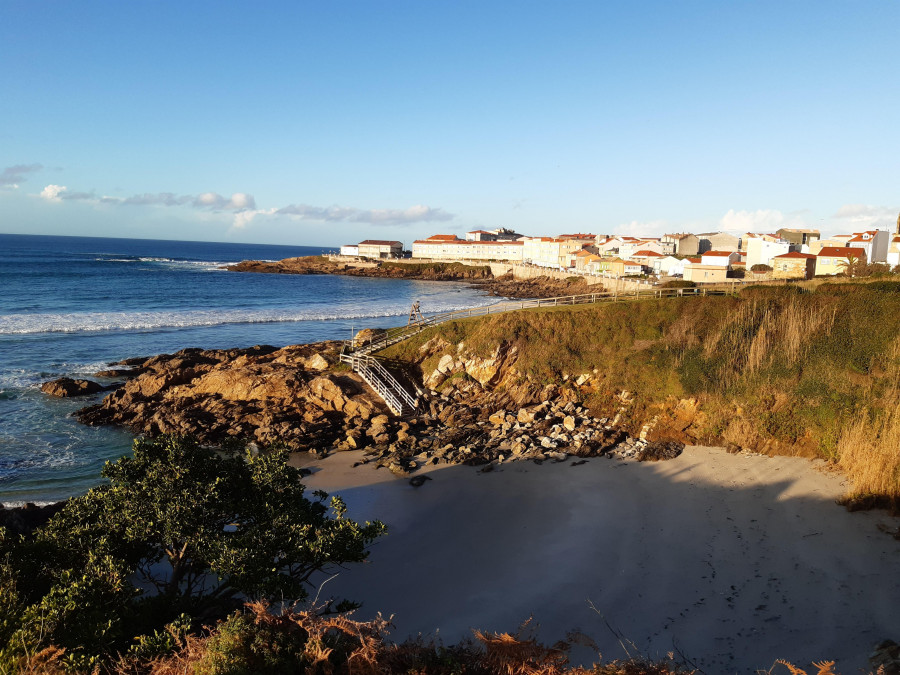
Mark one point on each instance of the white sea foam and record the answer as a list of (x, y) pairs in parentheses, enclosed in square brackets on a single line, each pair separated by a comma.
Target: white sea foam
[(171, 262), (15, 505), (23, 324)]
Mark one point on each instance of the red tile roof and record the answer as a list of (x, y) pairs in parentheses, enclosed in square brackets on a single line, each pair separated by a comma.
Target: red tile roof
[(379, 242), (840, 252), (718, 253), (443, 237), (796, 255), (648, 254)]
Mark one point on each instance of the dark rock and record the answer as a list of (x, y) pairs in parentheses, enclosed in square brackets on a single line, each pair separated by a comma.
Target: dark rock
[(419, 481), (660, 450), (66, 387), (118, 372), (25, 519), (885, 660)]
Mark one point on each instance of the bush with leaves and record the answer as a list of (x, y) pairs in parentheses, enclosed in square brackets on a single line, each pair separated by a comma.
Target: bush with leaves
[(179, 530)]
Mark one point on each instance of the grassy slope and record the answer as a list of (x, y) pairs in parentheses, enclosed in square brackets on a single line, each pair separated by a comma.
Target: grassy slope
[(785, 369)]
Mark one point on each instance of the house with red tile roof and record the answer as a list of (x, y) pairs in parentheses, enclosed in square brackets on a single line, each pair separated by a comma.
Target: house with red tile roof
[(794, 265), (832, 260)]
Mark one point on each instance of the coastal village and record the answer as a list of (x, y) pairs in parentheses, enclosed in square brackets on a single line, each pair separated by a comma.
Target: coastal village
[(712, 257)]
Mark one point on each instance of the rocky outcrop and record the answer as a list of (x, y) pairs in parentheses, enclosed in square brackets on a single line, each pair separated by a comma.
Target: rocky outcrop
[(480, 276), (290, 395), (473, 410), (538, 287), (410, 269), (25, 519), (66, 387)]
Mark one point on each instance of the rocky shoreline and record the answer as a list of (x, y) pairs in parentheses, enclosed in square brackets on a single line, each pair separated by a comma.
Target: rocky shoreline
[(479, 277), (302, 397)]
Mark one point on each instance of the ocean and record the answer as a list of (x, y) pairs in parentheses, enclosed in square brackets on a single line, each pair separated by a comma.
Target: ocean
[(69, 306)]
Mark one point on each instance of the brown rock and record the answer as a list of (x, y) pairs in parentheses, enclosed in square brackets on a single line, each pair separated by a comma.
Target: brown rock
[(66, 387)]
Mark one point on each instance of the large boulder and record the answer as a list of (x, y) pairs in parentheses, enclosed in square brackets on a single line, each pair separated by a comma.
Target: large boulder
[(367, 335), (66, 387)]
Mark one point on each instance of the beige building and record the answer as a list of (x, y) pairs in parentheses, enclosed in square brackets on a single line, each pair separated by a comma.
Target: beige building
[(682, 243), (799, 236), (380, 249), (719, 241), (705, 274), (794, 265), (833, 260)]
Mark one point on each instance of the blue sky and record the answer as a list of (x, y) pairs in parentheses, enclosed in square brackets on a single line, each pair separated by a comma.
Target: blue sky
[(324, 123)]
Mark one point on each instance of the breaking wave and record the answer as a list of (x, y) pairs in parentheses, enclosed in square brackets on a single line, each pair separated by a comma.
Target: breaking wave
[(169, 262), (24, 324)]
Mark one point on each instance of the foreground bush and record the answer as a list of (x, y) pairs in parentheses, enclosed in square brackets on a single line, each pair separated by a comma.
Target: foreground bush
[(181, 534)]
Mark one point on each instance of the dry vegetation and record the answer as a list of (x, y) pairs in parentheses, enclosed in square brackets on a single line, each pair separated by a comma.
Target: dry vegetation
[(291, 642), (261, 642)]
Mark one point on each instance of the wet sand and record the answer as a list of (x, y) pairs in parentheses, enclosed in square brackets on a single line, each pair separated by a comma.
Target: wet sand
[(734, 560)]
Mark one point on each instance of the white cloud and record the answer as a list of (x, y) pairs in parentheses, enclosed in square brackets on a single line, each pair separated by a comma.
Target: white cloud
[(243, 206), (652, 228), (333, 214), (52, 192), (11, 176), (243, 218), (761, 220), (863, 216), (239, 201)]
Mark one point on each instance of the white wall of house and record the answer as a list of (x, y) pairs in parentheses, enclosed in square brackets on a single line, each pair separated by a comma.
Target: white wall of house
[(893, 254), (350, 249), (760, 252), (720, 260), (468, 250), (876, 244), (667, 264)]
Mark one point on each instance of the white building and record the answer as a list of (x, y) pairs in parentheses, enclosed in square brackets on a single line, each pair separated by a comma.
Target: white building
[(500, 234), (668, 265), (380, 249), (875, 243), (350, 250), (449, 247), (720, 258), (629, 248), (760, 251), (552, 252)]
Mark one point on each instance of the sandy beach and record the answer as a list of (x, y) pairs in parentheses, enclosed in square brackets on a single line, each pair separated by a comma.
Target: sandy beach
[(733, 560)]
